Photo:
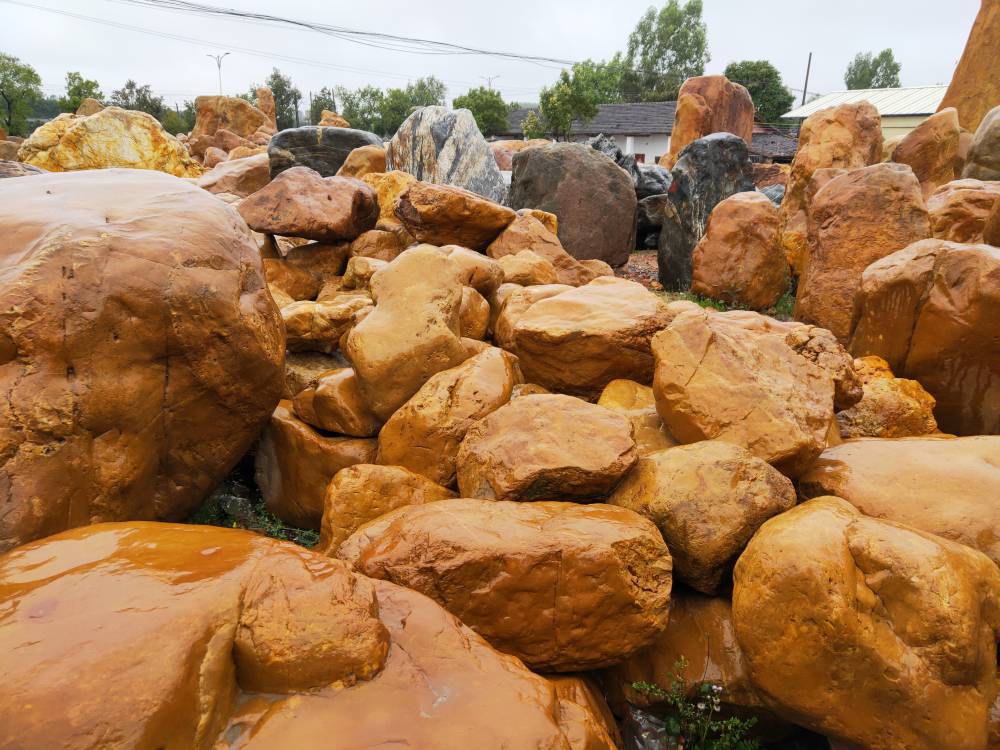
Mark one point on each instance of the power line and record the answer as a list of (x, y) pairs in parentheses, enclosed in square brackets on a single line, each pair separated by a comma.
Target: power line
[(244, 50)]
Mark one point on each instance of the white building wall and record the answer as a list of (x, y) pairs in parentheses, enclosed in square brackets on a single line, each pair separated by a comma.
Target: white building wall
[(652, 147)]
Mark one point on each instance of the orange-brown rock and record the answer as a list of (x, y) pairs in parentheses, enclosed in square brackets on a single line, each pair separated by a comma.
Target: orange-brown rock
[(701, 632), (490, 696), (424, 434), (242, 152), (362, 493), (112, 137), (564, 587), (330, 119), (240, 177), (304, 369), (945, 486), (388, 186), (991, 230), (579, 341), (414, 331), (597, 267), (295, 282), (447, 215), (88, 106), (765, 175), (246, 614), (318, 326), (975, 85), (528, 268), (931, 150), (707, 499), (578, 450), (226, 140), (637, 404), (300, 203), (359, 271), (959, 210), (513, 305), (229, 112), (9, 150), (877, 635), (739, 260), (474, 315), (734, 377), (706, 105), (295, 463), (503, 151), (821, 348), (323, 261), (363, 160), (213, 157), (584, 715), (265, 103), (854, 220), (890, 408), (213, 612), (380, 244), (848, 136), (528, 232), (139, 362), (333, 403), (930, 311)]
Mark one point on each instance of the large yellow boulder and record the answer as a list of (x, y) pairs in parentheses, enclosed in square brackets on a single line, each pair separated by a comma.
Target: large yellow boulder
[(113, 137)]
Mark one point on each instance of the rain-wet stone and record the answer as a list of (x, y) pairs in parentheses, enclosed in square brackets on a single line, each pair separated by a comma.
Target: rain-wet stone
[(321, 148)]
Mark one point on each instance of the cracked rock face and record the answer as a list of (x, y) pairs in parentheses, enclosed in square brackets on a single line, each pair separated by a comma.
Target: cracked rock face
[(120, 399), (876, 635), (930, 311), (564, 587)]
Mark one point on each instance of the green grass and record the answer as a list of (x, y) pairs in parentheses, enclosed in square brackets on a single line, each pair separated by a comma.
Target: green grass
[(782, 309), (237, 504)]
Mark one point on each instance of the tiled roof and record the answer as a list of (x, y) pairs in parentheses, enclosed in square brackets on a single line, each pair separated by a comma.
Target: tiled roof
[(914, 100), (773, 144), (639, 118)]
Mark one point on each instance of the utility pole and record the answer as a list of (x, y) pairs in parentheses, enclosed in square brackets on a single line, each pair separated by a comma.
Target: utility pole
[(218, 64), (489, 80), (805, 86)]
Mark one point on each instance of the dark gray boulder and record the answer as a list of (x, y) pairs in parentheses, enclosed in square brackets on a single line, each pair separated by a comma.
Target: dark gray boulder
[(607, 146), (707, 171), (444, 146), (321, 148), (592, 196), (653, 180), (649, 219), (983, 160)]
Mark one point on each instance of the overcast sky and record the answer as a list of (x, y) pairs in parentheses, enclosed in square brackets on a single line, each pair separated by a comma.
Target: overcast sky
[(927, 37)]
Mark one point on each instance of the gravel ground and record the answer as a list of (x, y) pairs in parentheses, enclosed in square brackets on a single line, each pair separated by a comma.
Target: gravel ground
[(641, 267)]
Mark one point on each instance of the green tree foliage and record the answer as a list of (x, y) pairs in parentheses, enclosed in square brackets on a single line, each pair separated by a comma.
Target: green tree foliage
[(693, 722), (78, 88), (323, 99), (602, 81), (666, 48), (20, 87), (179, 120), (866, 71), (487, 106), (568, 99), (532, 126), (134, 96), (382, 112), (763, 81)]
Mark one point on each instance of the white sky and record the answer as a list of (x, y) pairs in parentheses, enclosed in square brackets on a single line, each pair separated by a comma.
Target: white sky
[(927, 37)]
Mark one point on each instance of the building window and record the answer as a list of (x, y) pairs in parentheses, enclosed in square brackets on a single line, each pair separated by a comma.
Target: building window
[(640, 158)]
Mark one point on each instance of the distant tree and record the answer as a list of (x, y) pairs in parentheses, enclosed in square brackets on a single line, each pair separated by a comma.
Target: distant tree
[(770, 97), (602, 80), (45, 108), (362, 107), (179, 120), (141, 98), (666, 48), (78, 88), (426, 92), (323, 99), (397, 105), (866, 71), (487, 106), (20, 87), (568, 99), (532, 126)]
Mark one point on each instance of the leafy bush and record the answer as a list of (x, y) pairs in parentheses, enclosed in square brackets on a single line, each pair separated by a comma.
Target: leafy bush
[(694, 723)]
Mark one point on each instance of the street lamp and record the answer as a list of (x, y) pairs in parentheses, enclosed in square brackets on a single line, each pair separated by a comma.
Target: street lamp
[(218, 64)]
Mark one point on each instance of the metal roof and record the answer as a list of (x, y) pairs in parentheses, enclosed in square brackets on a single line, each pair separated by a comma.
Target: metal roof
[(637, 118), (914, 100)]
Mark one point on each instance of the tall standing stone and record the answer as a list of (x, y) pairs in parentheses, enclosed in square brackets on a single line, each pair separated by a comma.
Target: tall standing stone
[(593, 197), (706, 105), (444, 146), (265, 103), (975, 86), (708, 171)]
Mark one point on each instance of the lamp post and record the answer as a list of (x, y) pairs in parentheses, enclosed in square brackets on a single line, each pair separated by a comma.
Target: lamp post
[(489, 80), (218, 64)]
